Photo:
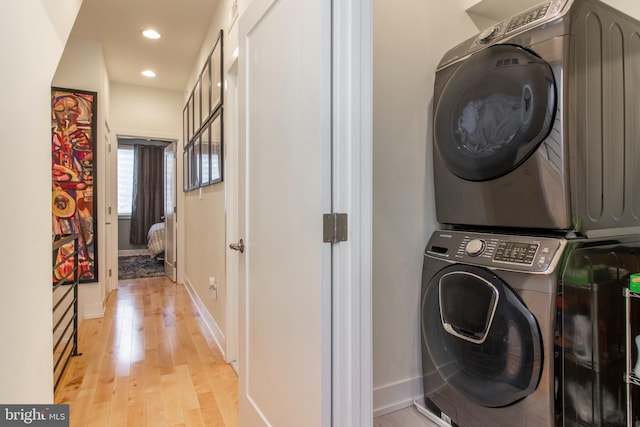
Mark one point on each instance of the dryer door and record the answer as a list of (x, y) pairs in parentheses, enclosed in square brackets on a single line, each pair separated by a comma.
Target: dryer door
[(480, 336), (493, 112)]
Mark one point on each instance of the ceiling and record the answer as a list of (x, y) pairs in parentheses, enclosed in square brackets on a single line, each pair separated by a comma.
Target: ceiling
[(183, 25)]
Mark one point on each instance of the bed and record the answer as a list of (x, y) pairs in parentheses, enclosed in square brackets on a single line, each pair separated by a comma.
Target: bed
[(156, 240)]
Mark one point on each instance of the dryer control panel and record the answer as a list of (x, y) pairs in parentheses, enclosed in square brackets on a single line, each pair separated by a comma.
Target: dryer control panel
[(521, 253), (529, 17), (517, 24)]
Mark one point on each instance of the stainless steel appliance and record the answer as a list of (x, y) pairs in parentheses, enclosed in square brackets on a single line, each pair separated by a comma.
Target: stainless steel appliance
[(536, 123), (488, 328), (525, 330)]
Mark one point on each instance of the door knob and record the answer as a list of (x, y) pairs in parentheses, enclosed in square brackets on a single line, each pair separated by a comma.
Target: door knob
[(237, 246)]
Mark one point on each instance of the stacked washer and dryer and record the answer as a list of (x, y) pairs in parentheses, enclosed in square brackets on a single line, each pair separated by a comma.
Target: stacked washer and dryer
[(537, 186)]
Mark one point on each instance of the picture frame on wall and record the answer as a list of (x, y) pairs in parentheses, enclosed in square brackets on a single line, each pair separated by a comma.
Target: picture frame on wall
[(185, 125), (217, 143), (216, 74), (189, 109), (203, 124), (186, 170), (205, 155), (205, 88), (74, 181), (196, 174), (192, 113), (197, 111)]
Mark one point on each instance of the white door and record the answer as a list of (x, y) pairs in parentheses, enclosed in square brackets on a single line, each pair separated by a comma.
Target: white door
[(284, 188), (169, 210)]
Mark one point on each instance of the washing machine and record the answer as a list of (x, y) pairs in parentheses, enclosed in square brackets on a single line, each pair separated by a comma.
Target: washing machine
[(488, 328), (525, 330), (535, 123)]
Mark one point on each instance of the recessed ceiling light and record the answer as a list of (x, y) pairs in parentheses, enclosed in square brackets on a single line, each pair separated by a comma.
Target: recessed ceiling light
[(151, 34), (148, 73)]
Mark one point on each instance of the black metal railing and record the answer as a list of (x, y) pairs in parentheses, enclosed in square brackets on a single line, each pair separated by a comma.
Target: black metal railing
[(65, 303)]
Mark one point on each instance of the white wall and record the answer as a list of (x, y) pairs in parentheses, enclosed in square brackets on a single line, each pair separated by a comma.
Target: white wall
[(410, 36), (136, 109), (82, 67), (153, 113), (30, 55), (205, 210)]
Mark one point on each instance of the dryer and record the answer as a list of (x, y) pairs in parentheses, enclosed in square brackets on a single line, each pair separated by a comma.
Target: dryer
[(535, 123)]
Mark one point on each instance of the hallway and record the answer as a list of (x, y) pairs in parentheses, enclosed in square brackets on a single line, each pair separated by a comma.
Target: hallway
[(149, 362)]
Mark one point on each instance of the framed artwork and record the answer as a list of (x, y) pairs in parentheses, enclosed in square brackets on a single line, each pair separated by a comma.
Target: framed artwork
[(185, 125), (205, 87), (186, 170), (205, 155), (216, 74), (216, 130), (202, 124), (190, 106), (73, 197), (197, 113), (191, 167), (196, 166)]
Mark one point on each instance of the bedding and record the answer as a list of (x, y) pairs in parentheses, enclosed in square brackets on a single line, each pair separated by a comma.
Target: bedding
[(155, 239)]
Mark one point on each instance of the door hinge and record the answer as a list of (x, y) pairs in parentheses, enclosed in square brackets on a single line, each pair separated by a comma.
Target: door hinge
[(110, 273), (334, 228)]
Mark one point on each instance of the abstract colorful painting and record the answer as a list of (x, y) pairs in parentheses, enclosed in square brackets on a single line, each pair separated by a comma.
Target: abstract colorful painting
[(73, 198)]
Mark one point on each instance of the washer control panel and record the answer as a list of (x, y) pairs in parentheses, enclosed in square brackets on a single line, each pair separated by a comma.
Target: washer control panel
[(521, 253), (526, 253)]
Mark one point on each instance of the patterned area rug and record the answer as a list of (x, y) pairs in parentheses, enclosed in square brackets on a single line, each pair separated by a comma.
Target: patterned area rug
[(139, 266)]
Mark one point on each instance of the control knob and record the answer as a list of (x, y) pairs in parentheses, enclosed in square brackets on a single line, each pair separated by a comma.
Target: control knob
[(487, 35), (475, 247)]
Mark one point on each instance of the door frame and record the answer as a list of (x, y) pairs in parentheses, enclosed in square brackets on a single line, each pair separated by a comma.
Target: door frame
[(112, 188), (172, 150), (352, 384)]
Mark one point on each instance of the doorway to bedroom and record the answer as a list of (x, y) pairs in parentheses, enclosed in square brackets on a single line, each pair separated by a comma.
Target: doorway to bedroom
[(146, 205)]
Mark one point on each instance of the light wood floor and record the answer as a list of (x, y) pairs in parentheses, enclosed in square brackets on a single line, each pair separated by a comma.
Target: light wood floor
[(149, 362)]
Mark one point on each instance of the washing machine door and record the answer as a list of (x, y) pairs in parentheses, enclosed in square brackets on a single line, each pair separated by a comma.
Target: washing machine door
[(493, 111), (481, 338)]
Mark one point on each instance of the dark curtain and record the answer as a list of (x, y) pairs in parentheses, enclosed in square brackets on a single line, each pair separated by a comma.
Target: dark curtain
[(148, 191)]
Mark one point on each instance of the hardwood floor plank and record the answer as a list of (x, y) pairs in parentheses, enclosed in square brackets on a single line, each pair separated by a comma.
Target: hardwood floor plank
[(98, 415), (155, 409), (150, 361), (137, 415), (119, 403)]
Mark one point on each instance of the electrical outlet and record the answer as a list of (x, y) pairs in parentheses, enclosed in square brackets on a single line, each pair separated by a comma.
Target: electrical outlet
[(213, 287)]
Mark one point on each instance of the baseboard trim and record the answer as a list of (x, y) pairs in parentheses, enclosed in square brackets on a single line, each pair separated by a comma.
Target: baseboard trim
[(209, 321), (395, 396), (93, 311), (133, 252)]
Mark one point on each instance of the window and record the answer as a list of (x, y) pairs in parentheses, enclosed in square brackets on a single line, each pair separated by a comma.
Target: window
[(125, 179)]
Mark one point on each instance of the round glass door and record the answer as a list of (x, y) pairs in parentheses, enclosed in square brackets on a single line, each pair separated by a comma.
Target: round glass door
[(494, 111), (481, 338)]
